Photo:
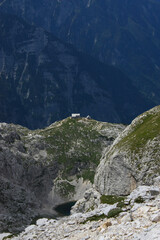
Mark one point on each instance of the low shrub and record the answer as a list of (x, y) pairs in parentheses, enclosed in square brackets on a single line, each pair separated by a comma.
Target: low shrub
[(139, 200), (114, 212), (111, 199)]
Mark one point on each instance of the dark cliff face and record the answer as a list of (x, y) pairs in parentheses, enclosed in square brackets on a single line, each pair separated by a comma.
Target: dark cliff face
[(123, 33), (43, 80)]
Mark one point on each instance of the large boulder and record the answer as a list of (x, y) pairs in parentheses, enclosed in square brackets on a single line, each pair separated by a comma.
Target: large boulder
[(90, 201)]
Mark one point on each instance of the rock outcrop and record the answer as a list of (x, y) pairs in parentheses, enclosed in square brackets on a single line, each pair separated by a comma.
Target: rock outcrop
[(134, 157), (90, 201), (43, 168)]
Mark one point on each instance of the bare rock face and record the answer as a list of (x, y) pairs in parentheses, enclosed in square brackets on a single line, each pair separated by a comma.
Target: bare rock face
[(90, 201), (116, 177), (133, 158)]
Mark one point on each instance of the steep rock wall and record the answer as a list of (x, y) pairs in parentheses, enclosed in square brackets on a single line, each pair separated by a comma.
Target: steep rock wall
[(133, 158)]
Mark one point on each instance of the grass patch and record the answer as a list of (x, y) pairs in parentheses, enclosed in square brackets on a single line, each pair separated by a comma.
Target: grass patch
[(114, 212), (95, 218), (88, 175), (121, 205), (10, 236), (139, 200), (111, 199), (65, 188), (147, 129)]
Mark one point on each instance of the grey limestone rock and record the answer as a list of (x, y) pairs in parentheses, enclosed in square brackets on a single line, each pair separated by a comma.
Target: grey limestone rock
[(133, 159), (90, 201)]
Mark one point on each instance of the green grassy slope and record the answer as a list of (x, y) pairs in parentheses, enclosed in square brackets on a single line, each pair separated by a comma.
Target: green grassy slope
[(77, 144)]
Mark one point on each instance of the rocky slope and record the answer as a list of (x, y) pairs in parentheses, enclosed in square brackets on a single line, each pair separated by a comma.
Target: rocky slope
[(43, 80), (123, 33), (43, 168), (134, 157), (139, 220)]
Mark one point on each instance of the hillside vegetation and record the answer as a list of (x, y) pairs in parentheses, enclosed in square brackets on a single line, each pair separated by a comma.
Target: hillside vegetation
[(78, 143)]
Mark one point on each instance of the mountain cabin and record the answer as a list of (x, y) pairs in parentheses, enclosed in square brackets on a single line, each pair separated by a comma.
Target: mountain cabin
[(75, 115)]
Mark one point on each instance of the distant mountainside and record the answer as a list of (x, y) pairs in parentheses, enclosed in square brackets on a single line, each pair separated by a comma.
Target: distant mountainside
[(43, 80), (123, 33)]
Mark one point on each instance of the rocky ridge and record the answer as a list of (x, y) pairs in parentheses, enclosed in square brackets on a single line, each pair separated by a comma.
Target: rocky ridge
[(134, 157), (42, 168), (139, 219)]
